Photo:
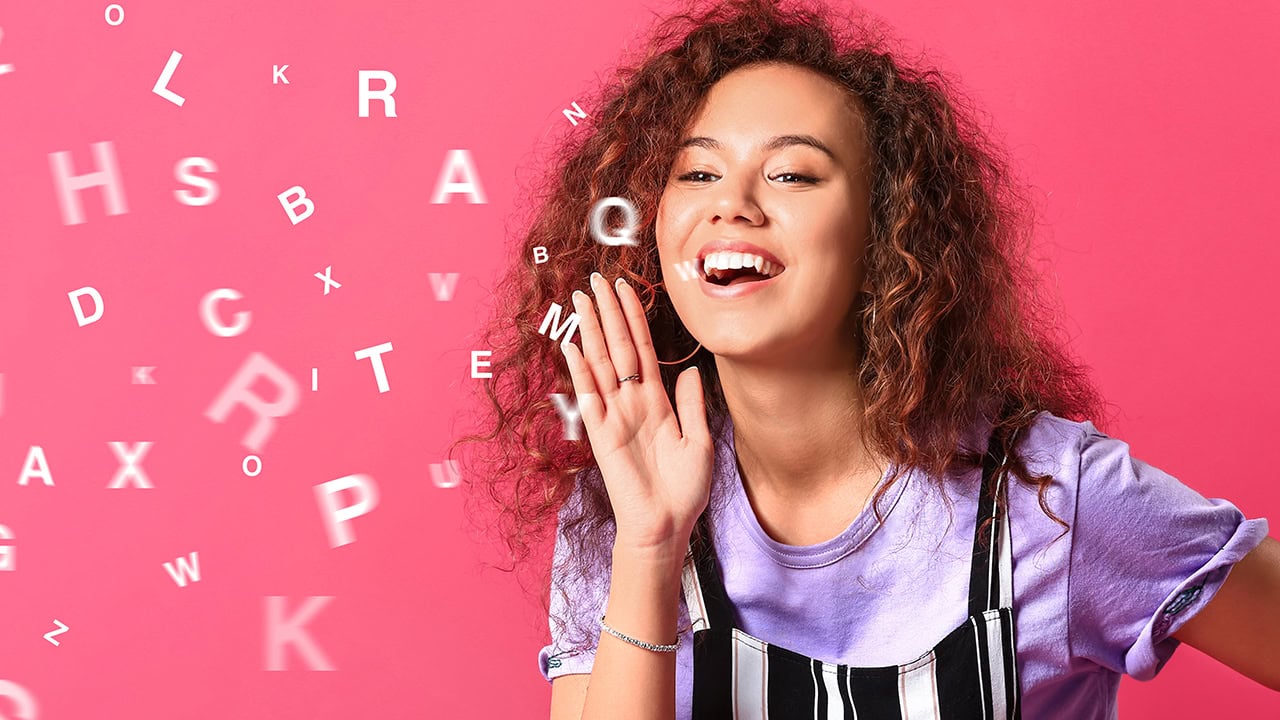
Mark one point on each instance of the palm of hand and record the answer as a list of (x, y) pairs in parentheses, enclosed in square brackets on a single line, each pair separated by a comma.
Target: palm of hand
[(656, 466)]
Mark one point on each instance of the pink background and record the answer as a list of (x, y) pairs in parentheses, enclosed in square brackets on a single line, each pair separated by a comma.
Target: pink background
[(1148, 128)]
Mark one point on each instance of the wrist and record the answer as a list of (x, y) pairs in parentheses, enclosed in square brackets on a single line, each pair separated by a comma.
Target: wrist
[(656, 566), (652, 552)]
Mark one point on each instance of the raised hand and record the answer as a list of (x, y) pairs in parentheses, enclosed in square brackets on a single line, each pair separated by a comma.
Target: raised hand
[(657, 467)]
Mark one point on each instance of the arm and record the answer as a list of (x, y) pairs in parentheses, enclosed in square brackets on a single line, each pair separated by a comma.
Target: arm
[(626, 681), (1240, 626), (656, 466)]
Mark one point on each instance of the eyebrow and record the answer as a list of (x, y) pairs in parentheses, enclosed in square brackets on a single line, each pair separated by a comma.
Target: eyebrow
[(774, 143)]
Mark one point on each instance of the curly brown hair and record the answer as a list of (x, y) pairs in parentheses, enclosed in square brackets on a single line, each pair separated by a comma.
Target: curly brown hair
[(950, 320)]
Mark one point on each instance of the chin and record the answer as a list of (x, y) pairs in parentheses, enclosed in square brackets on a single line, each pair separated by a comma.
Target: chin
[(727, 345)]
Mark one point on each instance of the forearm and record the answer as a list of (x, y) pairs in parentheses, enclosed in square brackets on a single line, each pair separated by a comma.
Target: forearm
[(629, 682)]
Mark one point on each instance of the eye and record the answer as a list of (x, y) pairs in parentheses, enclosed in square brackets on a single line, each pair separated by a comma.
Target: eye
[(689, 175), (800, 178)]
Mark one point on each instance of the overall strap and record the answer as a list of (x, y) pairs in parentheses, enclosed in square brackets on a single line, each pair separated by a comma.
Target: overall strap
[(704, 593), (991, 573)]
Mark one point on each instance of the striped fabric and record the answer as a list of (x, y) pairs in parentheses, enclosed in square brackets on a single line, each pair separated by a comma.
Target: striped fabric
[(971, 674)]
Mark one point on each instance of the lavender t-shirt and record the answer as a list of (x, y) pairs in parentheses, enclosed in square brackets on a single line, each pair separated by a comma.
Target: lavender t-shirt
[(1087, 608)]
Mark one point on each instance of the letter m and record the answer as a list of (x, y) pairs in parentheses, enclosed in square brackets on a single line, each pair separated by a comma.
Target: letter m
[(552, 318)]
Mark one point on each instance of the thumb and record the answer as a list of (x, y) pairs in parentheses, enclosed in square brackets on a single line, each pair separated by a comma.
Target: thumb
[(690, 404)]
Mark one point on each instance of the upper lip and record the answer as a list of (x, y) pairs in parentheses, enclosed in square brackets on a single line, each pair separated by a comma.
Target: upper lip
[(736, 246)]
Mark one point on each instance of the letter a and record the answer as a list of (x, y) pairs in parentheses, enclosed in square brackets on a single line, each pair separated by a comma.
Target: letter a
[(458, 160)]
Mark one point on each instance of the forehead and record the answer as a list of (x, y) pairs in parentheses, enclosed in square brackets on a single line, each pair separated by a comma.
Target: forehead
[(751, 105)]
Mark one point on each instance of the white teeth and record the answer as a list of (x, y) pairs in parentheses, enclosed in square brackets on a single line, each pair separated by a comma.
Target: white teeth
[(718, 261)]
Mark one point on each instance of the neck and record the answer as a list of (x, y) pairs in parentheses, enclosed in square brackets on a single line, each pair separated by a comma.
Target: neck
[(796, 424)]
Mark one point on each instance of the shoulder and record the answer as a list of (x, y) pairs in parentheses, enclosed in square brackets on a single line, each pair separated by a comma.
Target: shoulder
[(1051, 437), (1056, 447), (1050, 444), (1086, 462), (1099, 480)]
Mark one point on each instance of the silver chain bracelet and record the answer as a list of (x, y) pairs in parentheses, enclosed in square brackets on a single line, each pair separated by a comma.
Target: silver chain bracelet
[(641, 643)]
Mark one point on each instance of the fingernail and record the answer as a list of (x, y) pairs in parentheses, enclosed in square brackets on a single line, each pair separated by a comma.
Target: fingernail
[(619, 283), (596, 275)]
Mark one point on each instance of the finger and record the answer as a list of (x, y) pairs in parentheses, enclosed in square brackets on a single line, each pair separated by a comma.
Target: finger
[(594, 351), (622, 351), (691, 407), (584, 387), (639, 326)]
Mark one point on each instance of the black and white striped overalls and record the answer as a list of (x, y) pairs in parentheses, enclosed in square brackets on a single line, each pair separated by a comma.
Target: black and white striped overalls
[(971, 674)]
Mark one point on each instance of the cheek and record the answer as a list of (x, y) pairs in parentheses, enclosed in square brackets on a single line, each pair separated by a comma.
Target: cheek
[(665, 233), (674, 220), (660, 236)]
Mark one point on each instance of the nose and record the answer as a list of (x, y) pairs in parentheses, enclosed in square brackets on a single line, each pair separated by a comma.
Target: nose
[(735, 199)]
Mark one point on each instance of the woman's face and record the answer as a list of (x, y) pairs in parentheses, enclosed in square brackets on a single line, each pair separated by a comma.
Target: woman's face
[(733, 182)]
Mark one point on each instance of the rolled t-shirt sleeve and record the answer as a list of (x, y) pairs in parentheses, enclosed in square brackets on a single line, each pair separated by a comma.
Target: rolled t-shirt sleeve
[(1148, 553), (571, 601)]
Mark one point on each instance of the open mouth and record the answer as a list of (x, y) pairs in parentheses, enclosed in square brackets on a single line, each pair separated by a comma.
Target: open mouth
[(718, 268)]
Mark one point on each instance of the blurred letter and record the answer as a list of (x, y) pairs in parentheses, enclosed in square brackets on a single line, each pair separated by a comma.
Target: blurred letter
[(181, 171), (283, 631), (336, 516), (35, 456), (569, 413), (107, 176), (237, 392), (443, 287), (21, 700), (625, 234), (211, 319), (458, 160), (185, 569), (130, 458), (8, 553)]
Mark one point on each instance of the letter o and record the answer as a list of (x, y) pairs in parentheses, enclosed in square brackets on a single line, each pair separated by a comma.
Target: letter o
[(245, 465)]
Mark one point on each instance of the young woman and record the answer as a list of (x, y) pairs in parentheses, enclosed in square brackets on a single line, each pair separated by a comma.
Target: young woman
[(878, 492)]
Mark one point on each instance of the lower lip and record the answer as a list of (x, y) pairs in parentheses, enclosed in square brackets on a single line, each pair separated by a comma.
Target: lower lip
[(710, 289)]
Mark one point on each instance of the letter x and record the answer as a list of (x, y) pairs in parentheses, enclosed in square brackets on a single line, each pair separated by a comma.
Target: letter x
[(328, 280)]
